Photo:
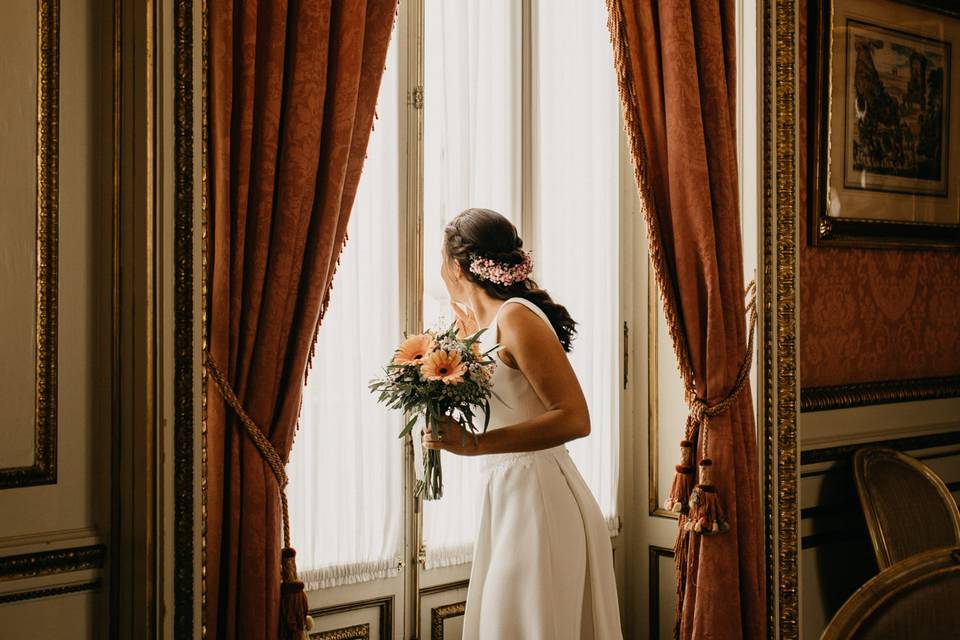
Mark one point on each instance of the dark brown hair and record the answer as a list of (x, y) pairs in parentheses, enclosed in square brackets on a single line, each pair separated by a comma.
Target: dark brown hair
[(486, 233)]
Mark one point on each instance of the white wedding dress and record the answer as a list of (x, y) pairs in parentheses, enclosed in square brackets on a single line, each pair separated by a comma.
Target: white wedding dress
[(542, 560)]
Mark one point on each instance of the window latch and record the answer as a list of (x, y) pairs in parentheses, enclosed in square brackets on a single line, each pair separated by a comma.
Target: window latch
[(626, 353)]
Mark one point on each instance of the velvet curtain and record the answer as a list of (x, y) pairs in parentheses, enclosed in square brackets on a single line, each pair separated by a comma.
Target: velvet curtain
[(676, 65), (292, 92)]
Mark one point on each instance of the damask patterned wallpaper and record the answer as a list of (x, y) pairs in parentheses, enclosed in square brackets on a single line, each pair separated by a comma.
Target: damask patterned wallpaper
[(872, 314)]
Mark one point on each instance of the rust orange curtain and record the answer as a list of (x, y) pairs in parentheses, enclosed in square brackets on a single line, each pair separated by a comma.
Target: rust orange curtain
[(292, 92), (676, 69)]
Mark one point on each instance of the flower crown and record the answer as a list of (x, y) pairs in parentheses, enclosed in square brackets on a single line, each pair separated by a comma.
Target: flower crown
[(501, 272)]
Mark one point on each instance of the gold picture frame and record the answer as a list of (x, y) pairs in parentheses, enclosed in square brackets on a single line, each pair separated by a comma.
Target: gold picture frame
[(884, 103)]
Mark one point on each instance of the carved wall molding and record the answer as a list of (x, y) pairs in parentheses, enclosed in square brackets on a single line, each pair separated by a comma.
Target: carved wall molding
[(44, 563), (384, 607), (440, 614), (886, 391), (354, 632)]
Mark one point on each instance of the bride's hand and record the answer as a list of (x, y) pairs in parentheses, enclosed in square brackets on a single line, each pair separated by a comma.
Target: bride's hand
[(452, 437), (466, 322)]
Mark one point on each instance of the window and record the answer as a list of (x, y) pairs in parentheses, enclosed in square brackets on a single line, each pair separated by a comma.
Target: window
[(520, 114)]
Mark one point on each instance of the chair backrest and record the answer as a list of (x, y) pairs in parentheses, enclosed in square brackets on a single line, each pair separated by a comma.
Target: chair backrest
[(907, 507), (914, 598)]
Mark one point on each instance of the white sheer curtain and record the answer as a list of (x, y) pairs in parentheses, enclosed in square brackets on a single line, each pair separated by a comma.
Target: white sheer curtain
[(471, 159), (576, 215), (346, 479)]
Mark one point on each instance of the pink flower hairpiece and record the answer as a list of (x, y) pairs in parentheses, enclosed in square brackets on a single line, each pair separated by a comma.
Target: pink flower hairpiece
[(500, 272)]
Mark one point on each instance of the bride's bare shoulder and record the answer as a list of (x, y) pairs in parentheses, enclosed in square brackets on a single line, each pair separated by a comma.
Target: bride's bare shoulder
[(518, 320)]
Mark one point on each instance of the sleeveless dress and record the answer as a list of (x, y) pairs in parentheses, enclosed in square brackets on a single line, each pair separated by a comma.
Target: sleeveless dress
[(542, 560)]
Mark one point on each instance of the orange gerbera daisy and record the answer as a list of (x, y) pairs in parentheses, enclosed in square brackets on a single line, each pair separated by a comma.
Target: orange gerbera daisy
[(445, 366), (414, 349)]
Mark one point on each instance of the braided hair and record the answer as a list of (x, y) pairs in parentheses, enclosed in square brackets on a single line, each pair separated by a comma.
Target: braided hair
[(486, 233)]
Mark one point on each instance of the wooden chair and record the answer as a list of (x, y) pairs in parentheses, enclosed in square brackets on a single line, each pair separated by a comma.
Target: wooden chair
[(915, 598), (907, 507)]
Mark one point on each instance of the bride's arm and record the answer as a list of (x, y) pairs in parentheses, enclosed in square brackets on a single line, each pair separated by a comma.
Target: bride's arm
[(533, 348)]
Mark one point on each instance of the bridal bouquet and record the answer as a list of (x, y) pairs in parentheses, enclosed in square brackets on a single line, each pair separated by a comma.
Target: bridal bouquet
[(437, 374)]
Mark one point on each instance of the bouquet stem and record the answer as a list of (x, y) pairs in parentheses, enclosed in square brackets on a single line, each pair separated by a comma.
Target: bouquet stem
[(431, 487)]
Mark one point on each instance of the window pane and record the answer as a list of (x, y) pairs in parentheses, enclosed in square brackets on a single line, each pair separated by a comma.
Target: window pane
[(471, 145), (345, 470), (576, 214)]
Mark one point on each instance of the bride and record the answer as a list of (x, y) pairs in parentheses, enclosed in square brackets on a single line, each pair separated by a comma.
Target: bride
[(542, 560)]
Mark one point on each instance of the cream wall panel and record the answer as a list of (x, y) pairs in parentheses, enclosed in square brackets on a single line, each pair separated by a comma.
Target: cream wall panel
[(18, 220), (71, 615), (80, 498), (67, 600)]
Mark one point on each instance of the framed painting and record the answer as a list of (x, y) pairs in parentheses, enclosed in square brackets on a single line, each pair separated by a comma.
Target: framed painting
[(885, 116)]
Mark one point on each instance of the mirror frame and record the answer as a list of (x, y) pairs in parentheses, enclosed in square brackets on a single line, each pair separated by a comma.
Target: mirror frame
[(779, 384), (778, 387), (188, 77)]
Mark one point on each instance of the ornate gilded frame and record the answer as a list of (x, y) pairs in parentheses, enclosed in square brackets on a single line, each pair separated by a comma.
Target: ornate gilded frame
[(44, 467), (860, 394), (778, 387), (186, 617), (861, 476), (45, 563)]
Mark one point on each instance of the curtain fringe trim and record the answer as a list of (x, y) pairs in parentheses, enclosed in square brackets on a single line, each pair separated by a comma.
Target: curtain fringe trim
[(343, 574), (449, 556)]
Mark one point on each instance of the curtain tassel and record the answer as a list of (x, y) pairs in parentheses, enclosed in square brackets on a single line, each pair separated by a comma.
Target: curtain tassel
[(682, 480), (295, 622), (706, 512)]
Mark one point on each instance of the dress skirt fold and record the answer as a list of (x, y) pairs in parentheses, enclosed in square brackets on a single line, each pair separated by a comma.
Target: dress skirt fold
[(531, 578)]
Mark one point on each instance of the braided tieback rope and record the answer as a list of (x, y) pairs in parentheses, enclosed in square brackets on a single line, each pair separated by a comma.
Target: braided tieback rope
[(698, 504), (294, 621)]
